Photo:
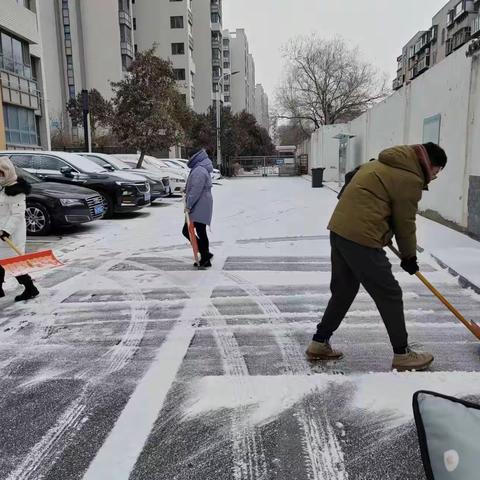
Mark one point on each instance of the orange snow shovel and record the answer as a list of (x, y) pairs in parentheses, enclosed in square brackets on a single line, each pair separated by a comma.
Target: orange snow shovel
[(193, 238), (470, 324), (30, 262)]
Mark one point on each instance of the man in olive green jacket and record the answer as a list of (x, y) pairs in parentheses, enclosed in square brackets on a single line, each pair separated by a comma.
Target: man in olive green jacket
[(380, 202)]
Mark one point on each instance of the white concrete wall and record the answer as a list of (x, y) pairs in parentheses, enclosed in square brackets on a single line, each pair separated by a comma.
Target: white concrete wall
[(324, 150), (153, 28), (451, 89), (101, 43), (202, 54), (239, 60), (19, 20), (54, 68)]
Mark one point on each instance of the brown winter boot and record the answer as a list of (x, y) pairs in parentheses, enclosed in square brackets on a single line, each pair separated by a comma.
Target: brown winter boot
[(322, 351), (411, 361)]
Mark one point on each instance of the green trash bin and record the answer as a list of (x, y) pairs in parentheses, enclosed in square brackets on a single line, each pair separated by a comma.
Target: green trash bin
[(317, 177)]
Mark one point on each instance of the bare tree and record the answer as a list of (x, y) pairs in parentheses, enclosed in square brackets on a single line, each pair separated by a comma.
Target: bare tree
[(326, 82)]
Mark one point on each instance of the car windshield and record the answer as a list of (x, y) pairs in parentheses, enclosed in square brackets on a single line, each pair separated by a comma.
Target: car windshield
[(27, 176), (82, 164), (99, 161)]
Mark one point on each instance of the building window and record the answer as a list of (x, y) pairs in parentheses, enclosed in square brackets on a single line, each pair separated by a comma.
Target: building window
[(179, 73), (20, 127), (226, 88), (227, 99), (134, 23), (176, 22), (178, 49), (226, 65), (135, 49), (183, 95), (215, 17), (15, 56), (443, 36)]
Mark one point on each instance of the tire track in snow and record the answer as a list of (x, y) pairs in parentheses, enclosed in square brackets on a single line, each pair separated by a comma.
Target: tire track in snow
[(249, 462), (49, 448), (322, 450)]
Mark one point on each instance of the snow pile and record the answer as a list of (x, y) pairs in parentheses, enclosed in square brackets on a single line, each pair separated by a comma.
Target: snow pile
[(388, 393)]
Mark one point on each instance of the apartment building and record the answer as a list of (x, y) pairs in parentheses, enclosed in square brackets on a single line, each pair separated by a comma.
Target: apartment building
[(227, 69), (23, 119), (241, 79), (207, 55), (168, 25), (261, 107), (452, 27), (87, 44)]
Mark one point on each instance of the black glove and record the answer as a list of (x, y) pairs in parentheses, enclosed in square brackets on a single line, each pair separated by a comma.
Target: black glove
[(410, 265), (4, 235)]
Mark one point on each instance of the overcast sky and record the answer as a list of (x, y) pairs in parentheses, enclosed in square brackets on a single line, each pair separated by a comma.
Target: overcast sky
[(379, 27)]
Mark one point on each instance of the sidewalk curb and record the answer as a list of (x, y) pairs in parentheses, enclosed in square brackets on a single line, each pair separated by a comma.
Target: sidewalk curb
[(463, 282)]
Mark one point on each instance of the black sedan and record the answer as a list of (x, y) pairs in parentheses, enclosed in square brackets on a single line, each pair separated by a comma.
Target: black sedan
[(121, 192), (159, 185), (51, 205)]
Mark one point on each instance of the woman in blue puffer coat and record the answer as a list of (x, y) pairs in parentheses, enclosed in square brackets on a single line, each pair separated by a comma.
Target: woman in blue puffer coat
[(199, 202)]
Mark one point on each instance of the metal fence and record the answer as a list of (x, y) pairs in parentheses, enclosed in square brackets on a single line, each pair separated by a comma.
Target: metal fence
[(267, 166)]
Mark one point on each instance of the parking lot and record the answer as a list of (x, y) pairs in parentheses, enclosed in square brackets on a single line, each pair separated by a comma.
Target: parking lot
[(134, 365)]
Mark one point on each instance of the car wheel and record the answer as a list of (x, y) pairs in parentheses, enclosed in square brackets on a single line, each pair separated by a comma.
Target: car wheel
[(38, 219), (107, 205)]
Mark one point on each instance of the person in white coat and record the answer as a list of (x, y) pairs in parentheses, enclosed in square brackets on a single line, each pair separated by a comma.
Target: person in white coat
[(13, 191)]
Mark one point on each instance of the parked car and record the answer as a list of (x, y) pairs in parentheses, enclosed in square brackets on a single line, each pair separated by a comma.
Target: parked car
[(120, 191), (159, 185), (178, 179), (182, 163), (51, 205)]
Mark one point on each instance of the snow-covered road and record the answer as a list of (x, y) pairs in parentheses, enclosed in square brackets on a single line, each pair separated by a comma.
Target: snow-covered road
[(133, 366)]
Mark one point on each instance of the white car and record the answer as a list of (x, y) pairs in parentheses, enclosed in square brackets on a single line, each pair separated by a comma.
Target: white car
[(182, 163), (178, 179)]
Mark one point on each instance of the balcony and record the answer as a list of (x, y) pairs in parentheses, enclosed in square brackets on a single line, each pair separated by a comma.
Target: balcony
[(476, 27), (462, 8), (423, 64), (397, 83), (461, 37), (20, 91), (125, 18), (126, 49), (190, 17), (217, 62), (423, 42), (191, 42)]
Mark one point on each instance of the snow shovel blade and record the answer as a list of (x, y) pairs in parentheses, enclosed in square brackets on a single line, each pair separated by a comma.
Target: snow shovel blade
[(30, 263)]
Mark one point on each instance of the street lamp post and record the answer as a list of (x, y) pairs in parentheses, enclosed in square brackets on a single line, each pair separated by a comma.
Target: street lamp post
[(219, 121), (219, 140)]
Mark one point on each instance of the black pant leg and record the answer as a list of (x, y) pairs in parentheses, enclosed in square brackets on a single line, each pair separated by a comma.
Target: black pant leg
[(344, 287), (2, 275), (203, 242), (374, 271), (24, 279)]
